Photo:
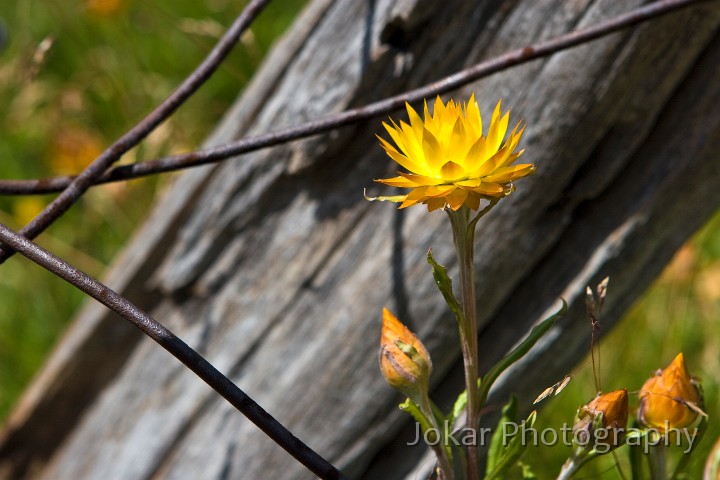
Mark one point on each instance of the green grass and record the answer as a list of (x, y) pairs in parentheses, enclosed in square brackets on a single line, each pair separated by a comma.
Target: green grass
[(100, 75)]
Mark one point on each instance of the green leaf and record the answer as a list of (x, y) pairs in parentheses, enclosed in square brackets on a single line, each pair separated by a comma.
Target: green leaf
[(497, 447), (444, 284), (458, 407), (535, 334), (512, 452), (699, 434), (426, 426), (414, 410)]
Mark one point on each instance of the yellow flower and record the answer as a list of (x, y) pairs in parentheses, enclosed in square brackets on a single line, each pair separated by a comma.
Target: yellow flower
[(614, 409), (671, 398), (73, 148), (449, 159), (404, 361)]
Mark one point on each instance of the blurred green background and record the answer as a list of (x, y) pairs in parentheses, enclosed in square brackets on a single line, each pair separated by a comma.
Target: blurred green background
[(74, 75)]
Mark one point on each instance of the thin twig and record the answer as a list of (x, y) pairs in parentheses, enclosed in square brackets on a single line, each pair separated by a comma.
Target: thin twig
[(179, 349), (382, 107), (135, 135)]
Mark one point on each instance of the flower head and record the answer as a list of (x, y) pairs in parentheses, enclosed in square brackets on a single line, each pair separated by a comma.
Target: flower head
[(404, 361), (450, 161), (613, 407), (671, 398)]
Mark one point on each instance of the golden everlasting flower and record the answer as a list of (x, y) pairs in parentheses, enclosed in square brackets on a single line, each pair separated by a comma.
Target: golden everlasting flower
[(450, 161), (671, 398), (404, 361), (614, 408)]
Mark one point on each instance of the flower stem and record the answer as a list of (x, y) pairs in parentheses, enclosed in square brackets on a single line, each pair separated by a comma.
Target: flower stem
[(574, 463), (445, 468), (463, 237), (657, 459)]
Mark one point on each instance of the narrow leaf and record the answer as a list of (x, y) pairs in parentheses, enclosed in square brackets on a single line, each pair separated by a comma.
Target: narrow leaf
[(414, 410), (535, 334), (497, 443), (512, 453), (699, 434), (444, 284)]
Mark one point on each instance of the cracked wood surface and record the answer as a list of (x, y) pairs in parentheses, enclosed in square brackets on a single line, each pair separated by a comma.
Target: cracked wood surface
[(275, 268)]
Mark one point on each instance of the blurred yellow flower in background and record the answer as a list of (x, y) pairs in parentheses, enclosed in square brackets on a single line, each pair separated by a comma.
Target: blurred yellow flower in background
[(105, 8), (72, 149), (449, 159), (671, 398), (27, 208)]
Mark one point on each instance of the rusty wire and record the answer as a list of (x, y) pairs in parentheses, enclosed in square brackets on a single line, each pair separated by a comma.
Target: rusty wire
[(356, 115)]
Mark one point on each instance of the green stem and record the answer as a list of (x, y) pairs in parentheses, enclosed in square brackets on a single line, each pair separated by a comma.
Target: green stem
[(439, 447), (574, 463), (657, 459), (463, 227), (463, 237)]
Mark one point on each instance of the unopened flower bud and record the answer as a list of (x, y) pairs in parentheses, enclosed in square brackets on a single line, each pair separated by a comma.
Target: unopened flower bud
[(609, 432), (404, 361), (671, 398)]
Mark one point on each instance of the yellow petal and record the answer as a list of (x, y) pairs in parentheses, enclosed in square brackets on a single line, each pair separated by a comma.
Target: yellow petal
[(421, 179), (470, 183), (478, 153), (474, 118), (497, 129), (399, 157), (489, 165), (473, 200), (491, 189), (439, 190), (508, 174), (415, 121), (456, 198), (434, 203), (401, 182), (392, 198), (457, 146), (415, 196), (431, 149), (451, 171)]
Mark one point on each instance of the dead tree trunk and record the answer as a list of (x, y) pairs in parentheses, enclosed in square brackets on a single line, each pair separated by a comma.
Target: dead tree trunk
[(275, 267)]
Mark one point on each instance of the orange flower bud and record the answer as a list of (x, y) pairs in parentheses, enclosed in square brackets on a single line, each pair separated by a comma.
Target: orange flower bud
[(404, 361), (614, 409), (671, 398)]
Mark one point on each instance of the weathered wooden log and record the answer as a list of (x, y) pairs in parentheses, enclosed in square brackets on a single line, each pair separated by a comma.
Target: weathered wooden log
[(274, 266)]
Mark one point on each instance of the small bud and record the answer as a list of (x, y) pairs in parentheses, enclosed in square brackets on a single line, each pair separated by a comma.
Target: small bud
[(609, 432), (404, 361), (671, 398)]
